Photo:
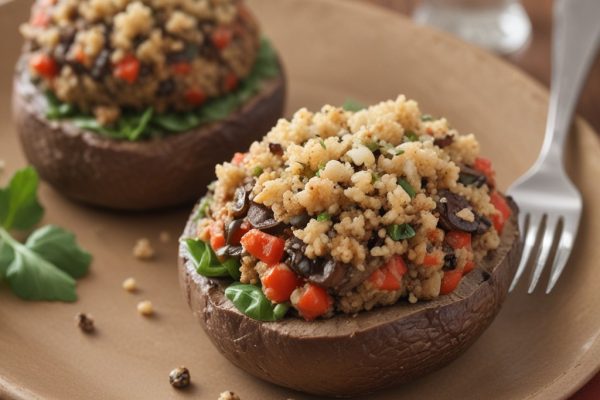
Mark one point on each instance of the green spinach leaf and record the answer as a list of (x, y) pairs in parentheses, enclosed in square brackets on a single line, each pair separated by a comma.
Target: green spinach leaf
[(206, 262), (58, 246), (19, 206), (251, 301), (353, 105)]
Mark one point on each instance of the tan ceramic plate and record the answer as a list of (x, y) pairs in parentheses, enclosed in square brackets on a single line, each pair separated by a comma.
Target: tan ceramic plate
[(540, 347)]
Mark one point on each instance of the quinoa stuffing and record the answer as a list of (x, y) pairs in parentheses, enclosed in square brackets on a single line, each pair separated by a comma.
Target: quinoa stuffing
[(107, 55), (341, 211)]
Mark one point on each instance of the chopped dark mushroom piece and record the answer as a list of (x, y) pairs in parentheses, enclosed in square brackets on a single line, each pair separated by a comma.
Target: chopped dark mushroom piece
[(470, 176), (261, 217), (453, 204), (300, 220), (241, 202), (484, 225), (449, 262), (233, 227), (321, 271), (276, 149), (444, 141), (231, 251)]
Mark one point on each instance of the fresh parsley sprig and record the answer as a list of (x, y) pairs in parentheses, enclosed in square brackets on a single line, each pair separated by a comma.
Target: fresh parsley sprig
[(46, 265)]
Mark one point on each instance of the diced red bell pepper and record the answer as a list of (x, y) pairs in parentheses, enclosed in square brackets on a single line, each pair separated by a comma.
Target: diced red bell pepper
[(128, 69), (236, 237), (450, 281), (231, 82), (484, 165), (389, 276), (221, 37), (313, 302), (40, 19), (44, 65), (432, 260), (267, 248), (279, 282), (181, 68), (238, 158), (194, 97), (217, 235), (458, 239), (504, 211), (469, 266)]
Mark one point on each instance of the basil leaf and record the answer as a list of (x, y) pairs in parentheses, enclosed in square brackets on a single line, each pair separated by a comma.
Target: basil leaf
[(407, 187), (232, 266), (33, 278), (400, 232), (204, 259), (19, 206), (58, 246), (251, 301), (353, 105), (6, 257)]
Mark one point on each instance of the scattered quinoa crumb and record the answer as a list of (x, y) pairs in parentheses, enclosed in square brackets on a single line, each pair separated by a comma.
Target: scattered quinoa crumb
[(143, 250), (164, 237), (130, 285), (228, 395), (145, 308)]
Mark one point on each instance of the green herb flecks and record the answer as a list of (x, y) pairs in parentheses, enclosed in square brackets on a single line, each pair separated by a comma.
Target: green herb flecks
[(323, 217), (202, 209), (257, 171), (46, 266), (322, 143), (252, 302), (206, 262), (372, 145), (320, 168), (400, 232), (427, 118), (407, 187), (411, 136), (139, 125), (353, 105)]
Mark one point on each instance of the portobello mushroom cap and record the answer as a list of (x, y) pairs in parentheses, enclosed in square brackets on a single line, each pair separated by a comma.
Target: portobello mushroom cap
[(354, 355), (139, 175)]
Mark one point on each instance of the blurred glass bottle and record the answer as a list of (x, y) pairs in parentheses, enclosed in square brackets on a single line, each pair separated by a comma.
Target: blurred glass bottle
[(498, 25)]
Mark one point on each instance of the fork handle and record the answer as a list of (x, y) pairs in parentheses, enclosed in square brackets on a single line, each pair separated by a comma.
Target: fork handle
[(576, 40)]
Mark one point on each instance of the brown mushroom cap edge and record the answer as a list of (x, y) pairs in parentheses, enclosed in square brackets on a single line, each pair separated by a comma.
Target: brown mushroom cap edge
[(139, 175), (355, 355)]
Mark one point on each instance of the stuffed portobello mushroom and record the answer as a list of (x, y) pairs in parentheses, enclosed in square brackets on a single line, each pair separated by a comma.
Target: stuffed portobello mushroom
[(128, 104), (350, 250)]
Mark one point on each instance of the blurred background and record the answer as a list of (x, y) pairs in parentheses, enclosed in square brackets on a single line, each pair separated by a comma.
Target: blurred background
[(527, 48)]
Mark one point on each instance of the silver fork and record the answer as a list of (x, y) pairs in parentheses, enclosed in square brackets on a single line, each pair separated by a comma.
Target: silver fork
[(550, 204)]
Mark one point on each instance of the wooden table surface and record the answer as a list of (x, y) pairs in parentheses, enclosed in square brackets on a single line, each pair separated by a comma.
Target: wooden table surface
[(535, 59)]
